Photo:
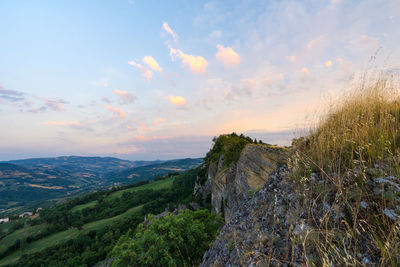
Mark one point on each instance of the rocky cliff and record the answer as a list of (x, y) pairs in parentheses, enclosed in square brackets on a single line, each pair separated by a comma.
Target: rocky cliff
[(278, 212), (258, 231), (230, 186)]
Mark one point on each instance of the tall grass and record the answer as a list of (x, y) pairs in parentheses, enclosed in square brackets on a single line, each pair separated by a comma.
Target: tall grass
[(357, 140)]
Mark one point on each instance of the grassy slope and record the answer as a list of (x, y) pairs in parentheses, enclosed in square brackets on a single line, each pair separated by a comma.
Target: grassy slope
[(84, 206), (66, 235), (162, 184), (356, 143), (4, 227), (10, 239), (63, 236)]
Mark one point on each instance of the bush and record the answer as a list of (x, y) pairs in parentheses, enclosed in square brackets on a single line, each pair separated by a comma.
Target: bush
[(229, 145), (173, 240)]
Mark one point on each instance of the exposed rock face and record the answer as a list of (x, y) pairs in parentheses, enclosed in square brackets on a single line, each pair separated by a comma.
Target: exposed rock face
[(260, 230), (231, 186), (272, 227)]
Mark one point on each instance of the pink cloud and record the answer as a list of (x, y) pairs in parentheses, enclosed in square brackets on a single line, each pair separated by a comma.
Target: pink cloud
[(125, 97), (159, 120), (116, 111), (177, 100), (57, 105), (72, 124), (227, 56), (50, 104), (142, 138), (146, 73), (145, 128), (197, 64)]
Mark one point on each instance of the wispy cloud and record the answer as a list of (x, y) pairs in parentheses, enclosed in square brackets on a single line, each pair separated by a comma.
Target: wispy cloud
[(56, 105), (11, 95), (71, 124), (50, 104), (116, 111), (145, 128), (197, 64), (146, 73), (314, 42), (125, 97), (106, 100), (227, 56), (168, 30), (158, 121)]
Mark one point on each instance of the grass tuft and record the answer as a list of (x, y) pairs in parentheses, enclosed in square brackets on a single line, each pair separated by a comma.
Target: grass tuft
[(356, 141)]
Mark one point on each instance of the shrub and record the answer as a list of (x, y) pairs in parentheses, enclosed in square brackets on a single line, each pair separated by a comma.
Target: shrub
[(173, 240)]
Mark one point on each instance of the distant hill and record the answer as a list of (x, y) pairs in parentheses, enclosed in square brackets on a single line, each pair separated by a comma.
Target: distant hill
[(29, 183), (92, 165), (149, 172), (20, 185)]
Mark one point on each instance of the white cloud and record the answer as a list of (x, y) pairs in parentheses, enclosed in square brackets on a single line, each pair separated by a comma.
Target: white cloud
[(168, 29)]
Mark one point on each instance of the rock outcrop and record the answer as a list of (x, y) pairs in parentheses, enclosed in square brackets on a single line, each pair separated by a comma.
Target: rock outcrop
[(260, 230), (286, 220), (231, 186)]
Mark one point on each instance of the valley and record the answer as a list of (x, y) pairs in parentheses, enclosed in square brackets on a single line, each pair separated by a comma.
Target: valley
[(31, 183)]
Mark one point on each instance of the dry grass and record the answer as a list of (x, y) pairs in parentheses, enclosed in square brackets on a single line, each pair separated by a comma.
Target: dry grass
[(356, 141)]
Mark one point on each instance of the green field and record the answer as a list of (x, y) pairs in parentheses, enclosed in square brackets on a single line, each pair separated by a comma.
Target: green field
[(21, 233), (84, 206), (56, 238), (162, 184), (4, 227)]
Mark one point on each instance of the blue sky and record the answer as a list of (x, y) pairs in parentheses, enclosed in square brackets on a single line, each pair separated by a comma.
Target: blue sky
[(158, 79)]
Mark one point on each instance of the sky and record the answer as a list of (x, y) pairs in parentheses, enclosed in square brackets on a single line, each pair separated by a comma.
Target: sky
[(158, 79)]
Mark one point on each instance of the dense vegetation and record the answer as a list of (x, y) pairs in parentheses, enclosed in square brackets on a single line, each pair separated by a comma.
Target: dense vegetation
[(356, 150), (230, 145), (172, 240), (85, 229)]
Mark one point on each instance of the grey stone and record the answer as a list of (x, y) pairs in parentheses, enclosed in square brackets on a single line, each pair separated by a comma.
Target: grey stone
[(391, 214)]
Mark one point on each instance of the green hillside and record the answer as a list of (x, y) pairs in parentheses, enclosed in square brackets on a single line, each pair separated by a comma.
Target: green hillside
[(63, 234)]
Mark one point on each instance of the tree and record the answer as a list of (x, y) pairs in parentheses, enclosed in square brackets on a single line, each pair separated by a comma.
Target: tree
[(173, 240)]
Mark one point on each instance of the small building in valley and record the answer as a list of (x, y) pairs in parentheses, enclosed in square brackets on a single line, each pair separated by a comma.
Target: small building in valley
[(26, 213), (4, 220)]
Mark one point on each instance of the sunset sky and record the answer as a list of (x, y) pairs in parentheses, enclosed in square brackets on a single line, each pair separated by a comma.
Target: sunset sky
[(158, 79)]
